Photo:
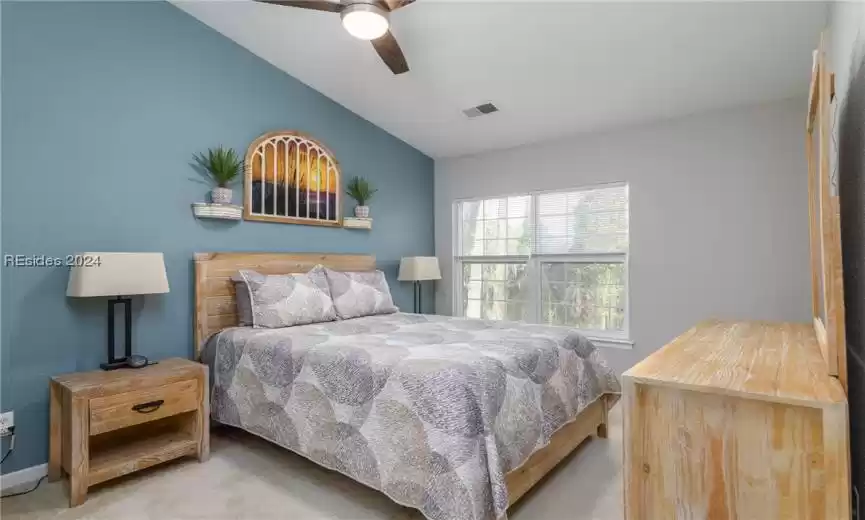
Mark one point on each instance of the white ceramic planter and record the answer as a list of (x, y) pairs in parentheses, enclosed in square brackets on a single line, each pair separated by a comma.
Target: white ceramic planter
[(361, 211), (220, 195)]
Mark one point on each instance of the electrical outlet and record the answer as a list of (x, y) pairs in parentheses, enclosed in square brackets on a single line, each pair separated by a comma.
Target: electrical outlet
[(7, 421)]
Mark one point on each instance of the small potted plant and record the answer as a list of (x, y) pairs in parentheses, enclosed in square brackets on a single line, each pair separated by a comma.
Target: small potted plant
[(361, 191), (223, 166)]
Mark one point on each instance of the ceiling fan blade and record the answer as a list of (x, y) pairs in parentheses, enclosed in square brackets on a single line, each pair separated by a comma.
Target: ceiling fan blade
[(390, 53), (317, 5), (393, 5)]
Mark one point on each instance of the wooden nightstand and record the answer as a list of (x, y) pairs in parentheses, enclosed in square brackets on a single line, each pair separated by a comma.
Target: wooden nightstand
[(108, 424)]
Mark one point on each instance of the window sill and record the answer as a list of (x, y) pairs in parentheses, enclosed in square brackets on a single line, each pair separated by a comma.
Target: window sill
[(624, 344), (600, 341)]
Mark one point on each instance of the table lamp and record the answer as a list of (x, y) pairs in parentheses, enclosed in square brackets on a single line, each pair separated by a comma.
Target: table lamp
[(418, 269), (119, 276)]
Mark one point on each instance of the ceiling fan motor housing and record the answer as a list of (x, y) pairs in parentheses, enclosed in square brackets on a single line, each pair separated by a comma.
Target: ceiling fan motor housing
[(377, 3), (368, 6)]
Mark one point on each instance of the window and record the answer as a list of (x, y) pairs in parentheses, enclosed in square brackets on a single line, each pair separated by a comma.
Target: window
[(558, 258)]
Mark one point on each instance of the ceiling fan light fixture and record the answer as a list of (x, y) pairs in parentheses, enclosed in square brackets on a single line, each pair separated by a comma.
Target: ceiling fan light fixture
[(365, 21)]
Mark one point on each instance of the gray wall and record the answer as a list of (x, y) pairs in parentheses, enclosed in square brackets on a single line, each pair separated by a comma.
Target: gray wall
[(719, 213), (124, 93)]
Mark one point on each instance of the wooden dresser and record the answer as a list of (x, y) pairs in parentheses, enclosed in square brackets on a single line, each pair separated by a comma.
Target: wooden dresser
[(748, 420), (736, 420)]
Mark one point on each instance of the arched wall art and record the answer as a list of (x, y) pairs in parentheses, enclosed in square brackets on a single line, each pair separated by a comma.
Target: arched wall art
[(293, 179)]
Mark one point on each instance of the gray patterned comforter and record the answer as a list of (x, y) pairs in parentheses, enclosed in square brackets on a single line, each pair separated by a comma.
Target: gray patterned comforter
[(431, 410)]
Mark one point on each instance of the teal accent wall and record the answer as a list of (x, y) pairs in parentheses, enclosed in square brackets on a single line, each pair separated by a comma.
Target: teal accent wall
[(104, 104)]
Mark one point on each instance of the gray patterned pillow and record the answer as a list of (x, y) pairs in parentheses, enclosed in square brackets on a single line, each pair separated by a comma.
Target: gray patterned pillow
[(286, 300), (357, 294)]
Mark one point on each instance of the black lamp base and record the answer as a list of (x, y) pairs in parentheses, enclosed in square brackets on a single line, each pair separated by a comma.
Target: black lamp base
[(128, 360), (119, 362), (417, 297)]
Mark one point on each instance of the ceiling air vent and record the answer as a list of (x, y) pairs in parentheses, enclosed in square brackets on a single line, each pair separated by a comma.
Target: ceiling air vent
[(480, 110)]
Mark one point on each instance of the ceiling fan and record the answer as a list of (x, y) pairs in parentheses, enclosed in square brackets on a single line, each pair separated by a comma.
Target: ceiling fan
[(363, 19)]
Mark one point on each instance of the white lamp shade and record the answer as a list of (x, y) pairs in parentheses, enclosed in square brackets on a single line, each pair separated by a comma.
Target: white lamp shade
[(119, 274), (418, 268)]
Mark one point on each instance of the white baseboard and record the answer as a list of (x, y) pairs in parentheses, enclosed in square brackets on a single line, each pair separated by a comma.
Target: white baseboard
[(24, 476)]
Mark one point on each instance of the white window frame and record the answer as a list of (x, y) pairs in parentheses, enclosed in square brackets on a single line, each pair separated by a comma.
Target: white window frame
[(532, 261)]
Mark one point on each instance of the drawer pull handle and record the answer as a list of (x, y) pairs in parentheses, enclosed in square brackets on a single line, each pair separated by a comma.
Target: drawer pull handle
[(150, 407)]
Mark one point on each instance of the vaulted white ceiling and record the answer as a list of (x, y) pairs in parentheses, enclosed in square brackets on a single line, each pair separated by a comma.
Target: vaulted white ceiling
[(553, 68)]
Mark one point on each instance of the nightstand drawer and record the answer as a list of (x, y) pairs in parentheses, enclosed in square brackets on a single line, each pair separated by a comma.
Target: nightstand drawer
[(131, 408)]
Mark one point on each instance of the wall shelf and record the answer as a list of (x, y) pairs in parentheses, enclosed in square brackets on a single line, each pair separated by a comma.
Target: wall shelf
[(217, 211), (357, 223)]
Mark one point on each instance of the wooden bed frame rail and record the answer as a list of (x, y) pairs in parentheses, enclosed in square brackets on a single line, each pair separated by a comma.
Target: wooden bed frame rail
[(592, 421)]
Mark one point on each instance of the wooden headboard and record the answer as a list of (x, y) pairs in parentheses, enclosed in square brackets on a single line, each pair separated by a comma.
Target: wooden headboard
[(215, 307), (827, 283)]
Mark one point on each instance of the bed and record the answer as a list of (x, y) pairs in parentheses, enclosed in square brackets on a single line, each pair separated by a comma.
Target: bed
[(456, 417)]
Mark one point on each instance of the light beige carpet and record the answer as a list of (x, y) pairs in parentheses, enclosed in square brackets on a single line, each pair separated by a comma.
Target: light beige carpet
[(247, 478)]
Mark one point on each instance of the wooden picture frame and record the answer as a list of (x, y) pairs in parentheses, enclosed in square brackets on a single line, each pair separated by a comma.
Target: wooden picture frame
[(291, 178), (827, 281)]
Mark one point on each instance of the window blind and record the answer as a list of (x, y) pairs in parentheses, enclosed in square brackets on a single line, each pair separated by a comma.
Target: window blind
[(496, 227), (591, 221)]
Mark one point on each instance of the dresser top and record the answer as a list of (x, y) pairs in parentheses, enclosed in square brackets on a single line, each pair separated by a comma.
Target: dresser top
[(779, 362)]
